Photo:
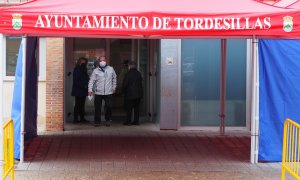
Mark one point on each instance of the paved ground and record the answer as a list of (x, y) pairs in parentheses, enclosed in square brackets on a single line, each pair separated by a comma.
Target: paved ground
[(140, 152)]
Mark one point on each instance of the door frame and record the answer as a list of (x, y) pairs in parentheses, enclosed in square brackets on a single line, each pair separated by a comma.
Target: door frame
[(68, 75), (68, 70), (245, 128)]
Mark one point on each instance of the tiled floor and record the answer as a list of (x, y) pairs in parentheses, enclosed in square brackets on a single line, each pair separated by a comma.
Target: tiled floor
[(124, 152)]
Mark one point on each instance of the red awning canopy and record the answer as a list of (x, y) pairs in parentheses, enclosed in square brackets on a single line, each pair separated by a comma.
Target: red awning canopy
[(149, 18), (295, 5)]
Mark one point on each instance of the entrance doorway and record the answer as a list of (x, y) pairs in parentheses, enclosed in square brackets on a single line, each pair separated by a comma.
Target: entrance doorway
[(144, 52)]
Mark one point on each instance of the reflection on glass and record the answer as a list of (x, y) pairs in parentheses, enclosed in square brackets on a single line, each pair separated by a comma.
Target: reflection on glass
[(236, 83), (200, 82), (200, 77)]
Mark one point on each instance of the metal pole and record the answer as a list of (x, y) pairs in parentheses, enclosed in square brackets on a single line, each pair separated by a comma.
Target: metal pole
[(223, 86), (23, 99), (254, 103), (2, 65)]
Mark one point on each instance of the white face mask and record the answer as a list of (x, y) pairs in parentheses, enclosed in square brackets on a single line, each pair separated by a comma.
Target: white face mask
[(102, 63)]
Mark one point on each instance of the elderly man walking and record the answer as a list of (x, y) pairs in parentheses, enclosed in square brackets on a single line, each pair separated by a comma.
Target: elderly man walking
[(103, 83)]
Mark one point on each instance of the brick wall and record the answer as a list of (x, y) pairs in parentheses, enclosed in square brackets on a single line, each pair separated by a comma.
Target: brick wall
[(55, 84)]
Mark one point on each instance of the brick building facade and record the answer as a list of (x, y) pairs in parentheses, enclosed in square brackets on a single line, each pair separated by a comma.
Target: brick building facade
[(55, 84)]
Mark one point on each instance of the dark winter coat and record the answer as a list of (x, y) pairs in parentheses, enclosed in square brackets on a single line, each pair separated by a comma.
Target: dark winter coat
[(132, 85), (80, 81)]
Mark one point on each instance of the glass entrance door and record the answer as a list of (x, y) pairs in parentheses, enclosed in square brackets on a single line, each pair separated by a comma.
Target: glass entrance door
[(147, 57), (120, 52), (117, 51), (142, 55), (76, 48), (200, 83)]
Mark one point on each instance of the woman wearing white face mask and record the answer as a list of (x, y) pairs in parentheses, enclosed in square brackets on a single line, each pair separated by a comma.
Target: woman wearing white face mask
[(104, 81)]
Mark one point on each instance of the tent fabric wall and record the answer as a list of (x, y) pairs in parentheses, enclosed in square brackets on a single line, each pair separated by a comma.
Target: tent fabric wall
[(30, 119), (17, 103), (31, 89), (279, 93)]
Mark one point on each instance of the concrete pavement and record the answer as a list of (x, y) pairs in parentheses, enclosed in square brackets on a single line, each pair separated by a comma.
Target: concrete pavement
[(140, 152)]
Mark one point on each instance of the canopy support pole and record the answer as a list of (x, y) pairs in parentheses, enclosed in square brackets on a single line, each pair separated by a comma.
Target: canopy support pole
[(24, 41), (2, 66), (254, 102), (223, 86)]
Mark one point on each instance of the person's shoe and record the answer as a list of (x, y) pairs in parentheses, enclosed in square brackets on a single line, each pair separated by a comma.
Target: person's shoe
[(107, 124), (75, 122), (135, 123), (126, 123)]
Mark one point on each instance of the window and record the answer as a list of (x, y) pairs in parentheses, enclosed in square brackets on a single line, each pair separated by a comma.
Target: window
[(12, 50)]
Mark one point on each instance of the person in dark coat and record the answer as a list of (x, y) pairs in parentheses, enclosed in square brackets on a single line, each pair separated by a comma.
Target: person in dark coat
[(80, 88), (133, 92)]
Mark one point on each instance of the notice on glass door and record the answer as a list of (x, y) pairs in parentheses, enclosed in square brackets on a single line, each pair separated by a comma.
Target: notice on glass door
[(170, 60)]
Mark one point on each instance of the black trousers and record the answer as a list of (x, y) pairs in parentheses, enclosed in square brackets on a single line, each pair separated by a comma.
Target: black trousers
[(132, 104), (79, 107), (98, 106)]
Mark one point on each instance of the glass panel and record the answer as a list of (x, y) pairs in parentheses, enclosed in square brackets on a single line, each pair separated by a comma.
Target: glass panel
[(12, 50), (200, 82), (236, 83), (120, 51)]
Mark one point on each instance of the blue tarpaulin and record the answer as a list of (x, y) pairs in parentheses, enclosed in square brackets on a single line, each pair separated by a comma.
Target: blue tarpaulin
[(279, 93), (16, 103), (30, 118)]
